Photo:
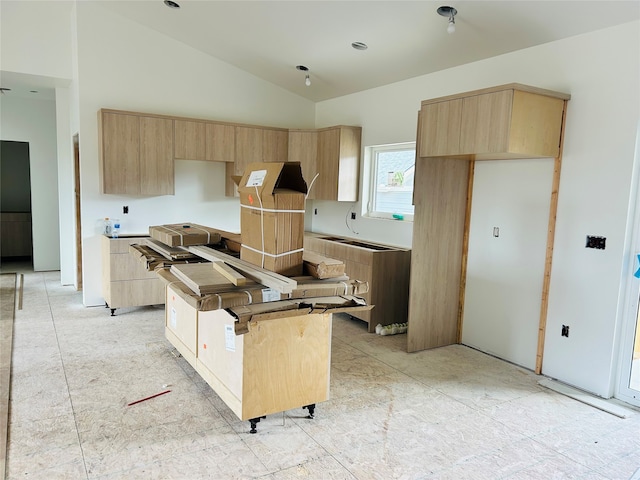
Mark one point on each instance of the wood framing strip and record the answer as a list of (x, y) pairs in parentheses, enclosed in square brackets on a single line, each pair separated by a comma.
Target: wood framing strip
[(553, 211), (229, 273), (265, 277), (465, 249)]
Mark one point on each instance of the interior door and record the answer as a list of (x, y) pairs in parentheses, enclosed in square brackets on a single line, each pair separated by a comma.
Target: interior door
[(506, 257)]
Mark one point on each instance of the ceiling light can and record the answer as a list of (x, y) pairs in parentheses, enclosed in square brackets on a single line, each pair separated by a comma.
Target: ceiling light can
[(171, 4), (359, 45)]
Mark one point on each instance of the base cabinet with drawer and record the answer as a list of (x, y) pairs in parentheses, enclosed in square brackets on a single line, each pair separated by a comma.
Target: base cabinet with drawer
[(126, 281), (279, 364), (386, 268)]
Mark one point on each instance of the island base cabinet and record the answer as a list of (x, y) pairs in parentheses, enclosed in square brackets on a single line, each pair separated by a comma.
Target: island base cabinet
[(279, 364)]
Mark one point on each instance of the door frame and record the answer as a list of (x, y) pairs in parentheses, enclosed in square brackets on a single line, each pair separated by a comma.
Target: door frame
[(630, 289), (77, 202)]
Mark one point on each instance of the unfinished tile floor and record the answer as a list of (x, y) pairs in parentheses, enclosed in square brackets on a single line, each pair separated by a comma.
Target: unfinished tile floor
[(448, 413)]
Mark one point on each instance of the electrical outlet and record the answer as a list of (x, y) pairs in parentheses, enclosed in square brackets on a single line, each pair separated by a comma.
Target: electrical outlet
[(125, 209), (315, 211), (565, 331), (596, 242), (353, 215)]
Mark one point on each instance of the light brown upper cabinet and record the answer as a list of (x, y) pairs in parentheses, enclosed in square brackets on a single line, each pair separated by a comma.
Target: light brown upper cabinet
[(510, 121), (210, 141), (190, 140), (136, 153), (255, 144), (338, 164), (220, 142), (303, 148)]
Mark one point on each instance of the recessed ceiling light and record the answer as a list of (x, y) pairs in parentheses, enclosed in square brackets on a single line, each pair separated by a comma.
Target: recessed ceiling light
[(33, 91), (359, 45), (171, 4), (302, 68), (3, 90)]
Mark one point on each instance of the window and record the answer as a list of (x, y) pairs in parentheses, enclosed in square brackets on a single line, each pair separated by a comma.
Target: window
[(391, 184)]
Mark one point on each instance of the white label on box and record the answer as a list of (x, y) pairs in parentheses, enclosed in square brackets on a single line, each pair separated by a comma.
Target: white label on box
[(256, 178), (230, 338), (174, 318), (270, 295)]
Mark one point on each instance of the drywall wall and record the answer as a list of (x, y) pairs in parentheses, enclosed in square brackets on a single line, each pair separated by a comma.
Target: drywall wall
[(34, 121), (125, 66), (36, 38), (512, 196), (601, 72)]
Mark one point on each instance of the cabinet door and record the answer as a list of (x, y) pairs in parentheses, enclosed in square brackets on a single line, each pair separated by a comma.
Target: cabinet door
[(275, 144), (120, 153), (485, 123), (189, 140), (338, 164), (349, 163), (248, 150), (440, 129), (156, 156), (303, 148), (326, 185), (221, 142)]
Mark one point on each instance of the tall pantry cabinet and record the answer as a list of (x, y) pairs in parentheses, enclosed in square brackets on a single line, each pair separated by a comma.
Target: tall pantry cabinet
[(505, 122)]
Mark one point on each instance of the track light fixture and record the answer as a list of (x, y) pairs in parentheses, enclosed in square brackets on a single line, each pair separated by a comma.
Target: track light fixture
[(307, 79), (449, 12)]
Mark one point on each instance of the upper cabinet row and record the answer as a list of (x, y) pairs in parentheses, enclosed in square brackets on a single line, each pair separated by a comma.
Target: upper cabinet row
[(137, 152), (504, 122)]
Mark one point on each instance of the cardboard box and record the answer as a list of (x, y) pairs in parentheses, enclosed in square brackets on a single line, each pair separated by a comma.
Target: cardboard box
[(184, 234), (272, 201)]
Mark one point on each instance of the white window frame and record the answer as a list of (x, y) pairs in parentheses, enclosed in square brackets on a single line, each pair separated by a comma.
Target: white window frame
[(371, 158)]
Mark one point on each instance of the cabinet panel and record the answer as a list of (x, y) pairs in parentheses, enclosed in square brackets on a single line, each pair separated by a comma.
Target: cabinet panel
[(338, 163), (125, 280), (349, 164), (303, 148), (221, 142), (190, 140), (485, 123), (275, 144), (384, 267), (326, 186), (156, 156), (440, 128), (545, 113), (120, 153)]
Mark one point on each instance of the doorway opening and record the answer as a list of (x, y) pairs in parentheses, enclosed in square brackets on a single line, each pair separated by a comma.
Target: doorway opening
[(16, 242)]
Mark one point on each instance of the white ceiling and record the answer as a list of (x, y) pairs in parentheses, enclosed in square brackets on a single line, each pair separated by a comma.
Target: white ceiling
[(405, 38)]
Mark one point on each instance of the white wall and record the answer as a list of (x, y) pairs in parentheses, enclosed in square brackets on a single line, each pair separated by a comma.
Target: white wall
[(36, 37), (513, 196), (34, 121), (601, 72), (125, 66)]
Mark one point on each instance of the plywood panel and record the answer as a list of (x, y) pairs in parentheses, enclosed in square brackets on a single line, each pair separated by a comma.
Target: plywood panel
[(436, 254), (536, 124), (287, 364)]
